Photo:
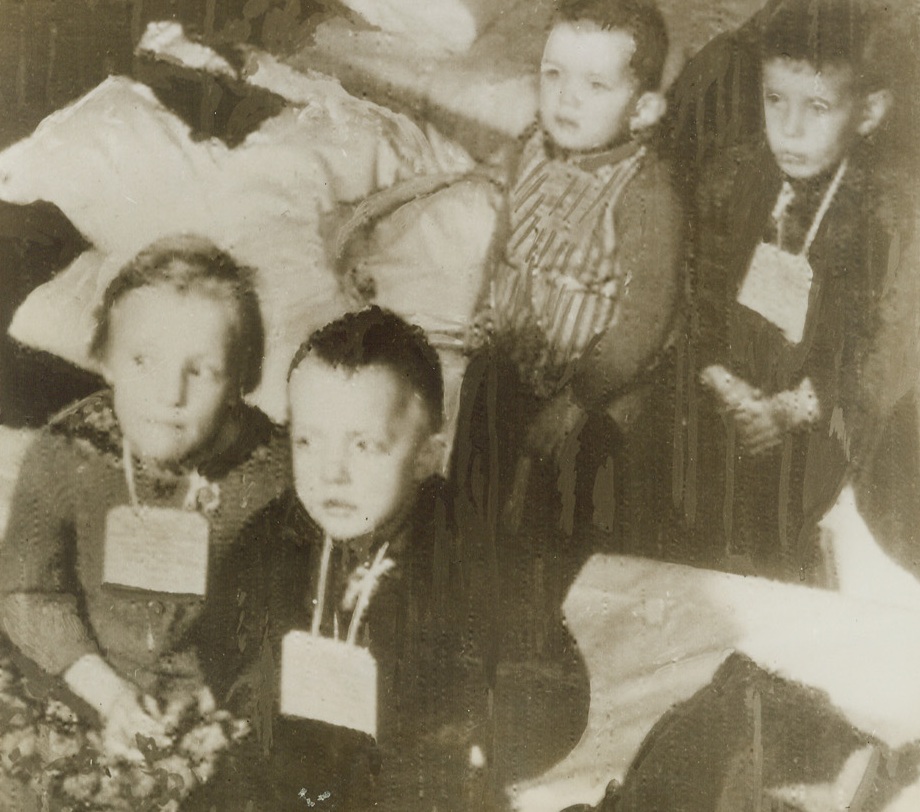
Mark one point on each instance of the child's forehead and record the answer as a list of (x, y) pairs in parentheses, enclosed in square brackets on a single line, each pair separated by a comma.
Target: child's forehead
[(834, 77), (339, 394), (159, 309), (163, 296), (585, 38)]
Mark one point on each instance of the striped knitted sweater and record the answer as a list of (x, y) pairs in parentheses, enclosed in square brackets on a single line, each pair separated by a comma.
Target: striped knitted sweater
[(588, 285)]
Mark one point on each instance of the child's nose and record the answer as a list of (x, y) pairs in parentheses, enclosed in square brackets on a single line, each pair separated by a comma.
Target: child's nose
[(335, 468), (570, 94), (172, 386), (793, 121)]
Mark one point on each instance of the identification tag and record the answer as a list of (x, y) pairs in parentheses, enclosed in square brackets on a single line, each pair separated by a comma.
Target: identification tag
[(329, 681), (778, 286), (156, 549)]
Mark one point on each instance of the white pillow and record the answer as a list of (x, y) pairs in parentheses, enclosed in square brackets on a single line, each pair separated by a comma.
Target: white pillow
[(451, 24), (126, 171), (428, 262)]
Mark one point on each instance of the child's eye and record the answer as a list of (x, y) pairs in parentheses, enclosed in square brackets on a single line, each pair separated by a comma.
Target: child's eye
[(139, 360), (820, 107), (549, 73), (600, 87), (302, 442), (771, 98), (365, 445)]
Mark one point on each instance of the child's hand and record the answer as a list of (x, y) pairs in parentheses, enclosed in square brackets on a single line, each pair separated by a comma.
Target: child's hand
[(480, 331), (126, 720), (117, 702), (762, 422), (559, 419), (759, 426), (757, 419)]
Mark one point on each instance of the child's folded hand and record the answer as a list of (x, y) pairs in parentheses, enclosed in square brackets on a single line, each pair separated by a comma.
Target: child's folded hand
[(733, 392), (127, 720), (559, 419), (480, 330), (757, 418), (761, 421), (118, 704), (759, 425)]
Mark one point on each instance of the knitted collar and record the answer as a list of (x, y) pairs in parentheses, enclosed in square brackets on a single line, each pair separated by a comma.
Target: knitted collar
[(93, 421), (396, 531), (594, 160)]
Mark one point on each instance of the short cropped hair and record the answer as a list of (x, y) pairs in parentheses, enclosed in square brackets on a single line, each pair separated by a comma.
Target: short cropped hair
[(188, 263), (826, 33), (378, 337), (641, 19)]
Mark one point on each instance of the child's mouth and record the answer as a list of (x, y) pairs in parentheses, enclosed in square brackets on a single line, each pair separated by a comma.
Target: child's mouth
[(339, 508), (167, 425), (791, 158), (565, 123)]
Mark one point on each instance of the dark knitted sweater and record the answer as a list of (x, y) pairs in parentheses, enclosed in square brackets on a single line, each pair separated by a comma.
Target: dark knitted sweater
[(413, 630), (53, 604)]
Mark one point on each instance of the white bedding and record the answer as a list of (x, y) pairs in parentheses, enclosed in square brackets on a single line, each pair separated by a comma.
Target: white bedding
[(126, 171), (488, 91)]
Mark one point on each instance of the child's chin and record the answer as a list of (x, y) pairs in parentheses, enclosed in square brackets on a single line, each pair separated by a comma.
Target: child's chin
[(162, 453), (798, 169), (570, 143), (343, 530)]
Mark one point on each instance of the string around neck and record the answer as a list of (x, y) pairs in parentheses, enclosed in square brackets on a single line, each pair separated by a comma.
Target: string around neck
[(196, 480), (378, 568), (321, 588), (825, 205), (127, 463), (785, 198)]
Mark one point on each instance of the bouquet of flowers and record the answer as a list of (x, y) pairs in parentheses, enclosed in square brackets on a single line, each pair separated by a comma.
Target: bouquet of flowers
[(59, 757)]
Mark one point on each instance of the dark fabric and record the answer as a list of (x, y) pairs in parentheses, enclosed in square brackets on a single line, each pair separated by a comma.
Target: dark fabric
[(746, 733), (759, 513), (414, 628), (36, 241), (212, 105)]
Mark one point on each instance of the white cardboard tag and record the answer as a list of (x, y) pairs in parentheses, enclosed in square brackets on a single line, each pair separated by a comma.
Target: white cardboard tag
[(328, 680), (777, 286), (156, 549)]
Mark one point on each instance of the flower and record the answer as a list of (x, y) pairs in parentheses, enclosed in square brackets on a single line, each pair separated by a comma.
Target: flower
[(61, 757)]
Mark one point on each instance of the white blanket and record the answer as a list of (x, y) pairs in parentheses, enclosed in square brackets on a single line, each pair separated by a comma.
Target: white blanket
[(126, 171)]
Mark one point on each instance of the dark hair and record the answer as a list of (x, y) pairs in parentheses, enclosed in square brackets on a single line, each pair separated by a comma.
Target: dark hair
[(826, 33), (378, 337), (191, 264), (641, 19)]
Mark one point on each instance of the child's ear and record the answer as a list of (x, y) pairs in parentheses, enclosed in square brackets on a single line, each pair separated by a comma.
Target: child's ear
[(650, 107), (875, 108), (431, 457)]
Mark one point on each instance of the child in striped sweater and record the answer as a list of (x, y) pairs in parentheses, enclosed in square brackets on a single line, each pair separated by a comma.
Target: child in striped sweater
[(583, 298), (560, 435)]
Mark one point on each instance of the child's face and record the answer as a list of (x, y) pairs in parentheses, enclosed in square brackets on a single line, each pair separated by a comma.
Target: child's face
[(167, 362), (812, 119), (588, 93), (357, 440)]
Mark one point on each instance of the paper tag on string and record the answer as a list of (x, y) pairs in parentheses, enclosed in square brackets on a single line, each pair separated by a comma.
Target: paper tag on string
[(778, 286), (329, 681), (156, 549)]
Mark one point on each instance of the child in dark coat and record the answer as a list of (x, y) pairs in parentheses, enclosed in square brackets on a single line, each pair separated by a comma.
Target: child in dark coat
[(348, 611), (792, 249)]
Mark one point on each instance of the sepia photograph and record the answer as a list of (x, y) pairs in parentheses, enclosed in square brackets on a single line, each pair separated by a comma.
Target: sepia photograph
[(459, 405)]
